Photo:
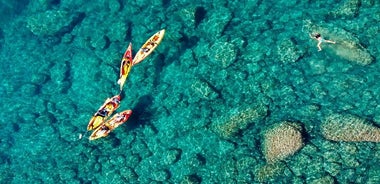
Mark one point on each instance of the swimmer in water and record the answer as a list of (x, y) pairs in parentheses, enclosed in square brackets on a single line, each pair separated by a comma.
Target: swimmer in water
[(320, 40)]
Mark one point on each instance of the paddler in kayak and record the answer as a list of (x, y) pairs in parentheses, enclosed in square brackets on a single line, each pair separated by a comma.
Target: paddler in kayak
[(118, 119), (125, 66), (149, 46), (109, 106), (104, 129)]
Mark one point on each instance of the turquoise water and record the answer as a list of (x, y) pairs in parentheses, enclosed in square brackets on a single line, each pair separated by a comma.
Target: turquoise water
[(204, 103)]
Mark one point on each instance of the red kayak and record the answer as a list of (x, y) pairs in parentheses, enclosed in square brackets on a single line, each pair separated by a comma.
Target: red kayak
[(125, 66)]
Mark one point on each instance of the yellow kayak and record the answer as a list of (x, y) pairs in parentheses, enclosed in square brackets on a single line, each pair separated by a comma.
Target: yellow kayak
[(109, 106), (104, 129), (125, 66), (148, 47)]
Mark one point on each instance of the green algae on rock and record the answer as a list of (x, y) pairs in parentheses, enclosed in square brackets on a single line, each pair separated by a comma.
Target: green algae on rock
[(187, 14), (282, 141), (222, 53), (349, 128), (287, 51), (203, 90), (347, 9), (228, 126), (325, 180), (48, 23), (270, 172), (353, 51), (213, 26)]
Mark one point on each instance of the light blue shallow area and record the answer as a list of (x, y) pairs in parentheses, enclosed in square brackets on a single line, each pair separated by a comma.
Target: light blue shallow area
[(225, 74)]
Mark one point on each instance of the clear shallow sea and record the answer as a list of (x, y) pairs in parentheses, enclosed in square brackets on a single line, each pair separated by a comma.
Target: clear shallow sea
[(224, 75)]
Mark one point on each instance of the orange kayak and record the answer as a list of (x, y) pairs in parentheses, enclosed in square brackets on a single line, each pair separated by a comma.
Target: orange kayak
[(116, 120), (109, 106), (125, 66), (148, 46)]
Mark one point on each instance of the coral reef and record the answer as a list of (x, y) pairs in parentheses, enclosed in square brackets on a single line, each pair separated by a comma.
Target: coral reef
[(282, 141), (349, 128)]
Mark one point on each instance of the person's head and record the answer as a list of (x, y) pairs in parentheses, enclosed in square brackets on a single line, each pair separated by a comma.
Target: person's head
[(317, 35), (116, 99), (104, 127)]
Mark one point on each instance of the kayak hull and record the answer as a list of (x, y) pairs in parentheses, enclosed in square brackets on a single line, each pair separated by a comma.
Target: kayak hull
[(109, 106), (110, 125), (125, 66), (149, 46)]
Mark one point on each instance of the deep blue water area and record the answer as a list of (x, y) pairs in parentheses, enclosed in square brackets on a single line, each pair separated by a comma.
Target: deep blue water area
[(236, 92)]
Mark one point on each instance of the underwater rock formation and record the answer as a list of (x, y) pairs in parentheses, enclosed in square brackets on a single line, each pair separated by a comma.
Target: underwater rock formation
[(227, 127), (349, 128), (222, 53), (203, 90), (47, 23), (214, 22), (268, 172), (347, 46), (347, 9), (282, 141), (51, 22), (287, 51)]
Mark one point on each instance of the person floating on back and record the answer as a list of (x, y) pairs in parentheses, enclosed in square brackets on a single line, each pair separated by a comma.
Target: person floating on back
[(320, 40)]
